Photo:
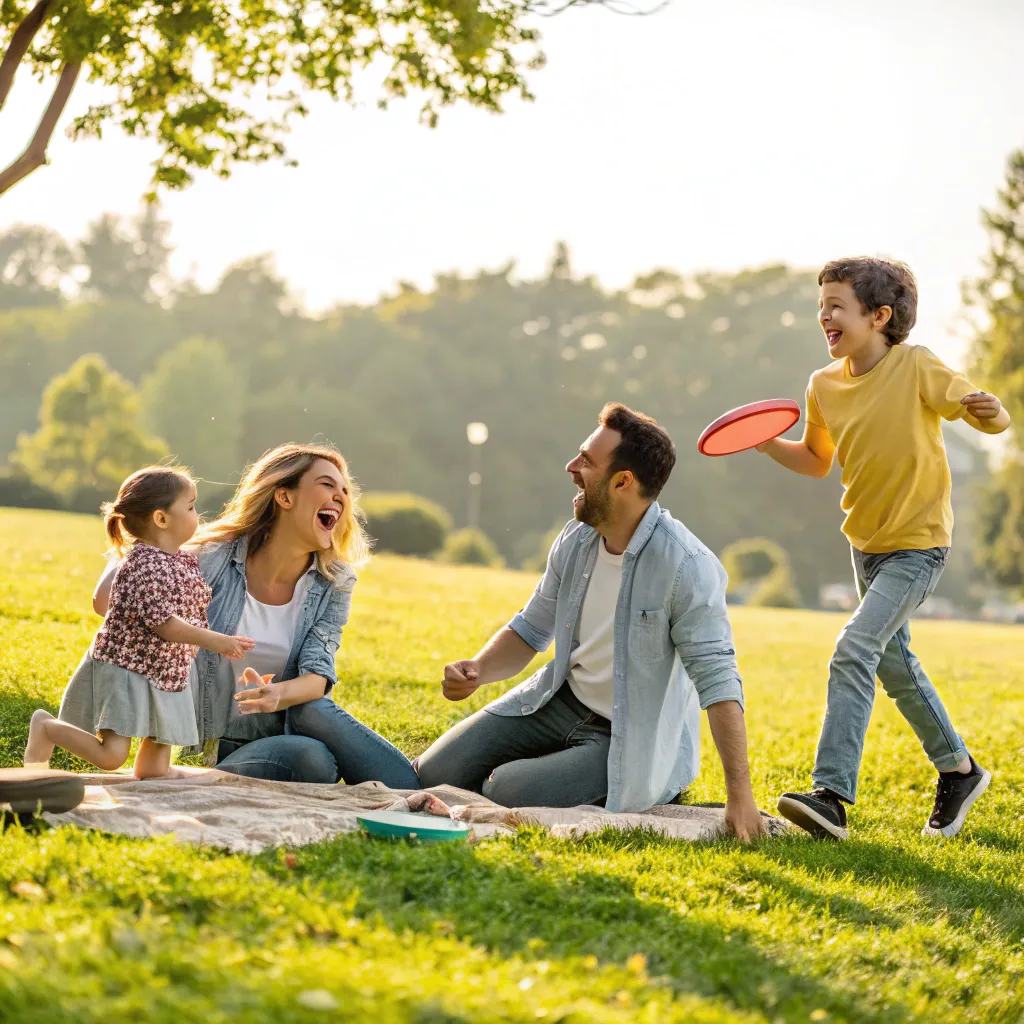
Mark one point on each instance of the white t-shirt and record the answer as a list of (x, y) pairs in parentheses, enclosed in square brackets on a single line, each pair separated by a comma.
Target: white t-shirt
[(272, 626), (591, 673)]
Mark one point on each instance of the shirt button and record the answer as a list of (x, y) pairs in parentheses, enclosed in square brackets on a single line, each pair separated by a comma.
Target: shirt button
[(526, 709)]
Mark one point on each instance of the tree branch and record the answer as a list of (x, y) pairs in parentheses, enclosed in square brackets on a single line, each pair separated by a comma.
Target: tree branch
[(35, 155), (20, 41)]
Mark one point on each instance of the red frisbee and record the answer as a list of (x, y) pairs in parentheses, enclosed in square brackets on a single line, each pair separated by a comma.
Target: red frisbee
[(748, 426)]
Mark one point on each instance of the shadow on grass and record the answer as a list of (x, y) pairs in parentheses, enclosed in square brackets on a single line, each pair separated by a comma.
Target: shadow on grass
[(522, 907), (845, 909), (956, 894)]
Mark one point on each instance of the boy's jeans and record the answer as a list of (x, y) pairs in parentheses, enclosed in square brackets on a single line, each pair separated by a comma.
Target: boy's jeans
[(877, 641)]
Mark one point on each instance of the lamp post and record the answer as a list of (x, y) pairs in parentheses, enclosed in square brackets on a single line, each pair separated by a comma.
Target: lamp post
[(476, 434)]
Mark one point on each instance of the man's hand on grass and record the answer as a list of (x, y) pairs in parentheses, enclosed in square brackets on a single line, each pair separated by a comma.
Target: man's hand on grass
[(460, 679), (743, 819)]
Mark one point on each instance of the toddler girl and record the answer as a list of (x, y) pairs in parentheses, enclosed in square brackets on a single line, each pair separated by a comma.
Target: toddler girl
[(135, 678)]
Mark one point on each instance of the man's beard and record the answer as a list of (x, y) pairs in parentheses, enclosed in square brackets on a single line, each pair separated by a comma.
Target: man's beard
[(594, 508)]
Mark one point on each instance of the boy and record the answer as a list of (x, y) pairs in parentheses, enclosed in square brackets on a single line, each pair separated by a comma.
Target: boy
[(877, 407)]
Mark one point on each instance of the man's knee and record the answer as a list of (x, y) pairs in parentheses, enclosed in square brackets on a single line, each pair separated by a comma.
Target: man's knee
[(439, 768), (505, 786)]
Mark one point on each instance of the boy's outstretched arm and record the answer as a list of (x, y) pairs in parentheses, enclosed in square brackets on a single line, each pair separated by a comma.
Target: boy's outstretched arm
[(985, 412), (811, 456)]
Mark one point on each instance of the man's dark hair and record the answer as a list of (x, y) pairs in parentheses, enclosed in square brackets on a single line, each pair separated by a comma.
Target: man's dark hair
[(645, 449), (878, 283)]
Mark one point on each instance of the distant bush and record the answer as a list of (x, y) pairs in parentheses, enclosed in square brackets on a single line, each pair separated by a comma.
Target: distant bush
[(760, 574), (776, 590), (471, 547), (88, 498), (18, 491), (405, 524)]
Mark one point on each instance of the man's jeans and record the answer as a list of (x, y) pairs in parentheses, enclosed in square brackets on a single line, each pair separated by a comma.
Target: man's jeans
[(877, 641), (555, 757), (316, 742)]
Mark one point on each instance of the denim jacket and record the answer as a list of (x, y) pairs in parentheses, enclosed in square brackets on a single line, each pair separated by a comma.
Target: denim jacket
[(324, 614), (674, 651)]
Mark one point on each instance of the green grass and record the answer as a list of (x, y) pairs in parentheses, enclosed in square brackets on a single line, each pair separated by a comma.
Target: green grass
[(618, 927)]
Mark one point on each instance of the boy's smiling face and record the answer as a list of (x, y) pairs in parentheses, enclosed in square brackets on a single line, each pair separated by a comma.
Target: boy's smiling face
[(849, 328)]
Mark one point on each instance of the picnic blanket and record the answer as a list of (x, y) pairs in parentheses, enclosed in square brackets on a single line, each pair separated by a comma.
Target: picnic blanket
[(213, 808)]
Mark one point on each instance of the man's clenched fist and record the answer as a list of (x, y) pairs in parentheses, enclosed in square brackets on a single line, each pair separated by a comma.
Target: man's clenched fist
[(460, 679)]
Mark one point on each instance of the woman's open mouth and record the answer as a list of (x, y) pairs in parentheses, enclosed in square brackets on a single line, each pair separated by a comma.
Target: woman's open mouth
[(328, 518), (833, 337)]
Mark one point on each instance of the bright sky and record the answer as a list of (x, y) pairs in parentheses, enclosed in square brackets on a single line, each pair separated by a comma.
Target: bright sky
[(709, 135)]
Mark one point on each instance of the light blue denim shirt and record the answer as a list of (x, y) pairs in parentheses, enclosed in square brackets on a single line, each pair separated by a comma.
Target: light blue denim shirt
[(324, 614), (674, 652)]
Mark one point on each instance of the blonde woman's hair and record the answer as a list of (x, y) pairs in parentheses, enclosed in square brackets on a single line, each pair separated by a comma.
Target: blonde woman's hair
[(252, 511), (148, 490)]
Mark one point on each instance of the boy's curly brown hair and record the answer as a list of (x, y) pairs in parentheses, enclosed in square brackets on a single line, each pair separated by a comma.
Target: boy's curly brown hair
[(877, 282)]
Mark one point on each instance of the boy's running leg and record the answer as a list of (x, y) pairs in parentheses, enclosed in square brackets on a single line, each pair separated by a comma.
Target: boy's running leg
[(918, 701), (891, 587)]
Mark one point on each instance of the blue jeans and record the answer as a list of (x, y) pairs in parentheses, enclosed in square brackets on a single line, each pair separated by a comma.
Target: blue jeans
[(316, 742), (556, 757), (877, 641)]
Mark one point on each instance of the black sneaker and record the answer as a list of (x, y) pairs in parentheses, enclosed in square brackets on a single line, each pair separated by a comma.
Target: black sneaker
[(954, 795), (820, 812)]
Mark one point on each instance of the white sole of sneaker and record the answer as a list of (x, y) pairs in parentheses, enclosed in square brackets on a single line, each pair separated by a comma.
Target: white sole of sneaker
[(809, 819), (950, 830)]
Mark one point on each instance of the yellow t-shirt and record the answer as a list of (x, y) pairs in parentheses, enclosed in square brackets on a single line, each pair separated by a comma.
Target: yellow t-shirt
[(885, 429)]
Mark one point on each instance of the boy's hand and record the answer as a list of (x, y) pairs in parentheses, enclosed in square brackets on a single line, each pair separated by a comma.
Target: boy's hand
[(982, 406), (234, 647)]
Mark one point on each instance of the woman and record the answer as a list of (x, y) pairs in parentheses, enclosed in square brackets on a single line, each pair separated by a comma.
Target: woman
[(279, 561)]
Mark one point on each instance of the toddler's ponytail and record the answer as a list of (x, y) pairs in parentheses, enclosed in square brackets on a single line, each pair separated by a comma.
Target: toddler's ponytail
[(148, 490), (113, 523)]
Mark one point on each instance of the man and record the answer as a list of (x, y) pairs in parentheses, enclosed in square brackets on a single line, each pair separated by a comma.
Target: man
[(636, 607)]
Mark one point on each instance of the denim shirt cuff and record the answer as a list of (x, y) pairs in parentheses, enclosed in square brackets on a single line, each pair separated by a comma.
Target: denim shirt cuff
[(317, 657), (723, 690), (533, 636)]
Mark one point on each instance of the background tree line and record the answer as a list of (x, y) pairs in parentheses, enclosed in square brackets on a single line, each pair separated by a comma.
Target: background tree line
[(217, 376)]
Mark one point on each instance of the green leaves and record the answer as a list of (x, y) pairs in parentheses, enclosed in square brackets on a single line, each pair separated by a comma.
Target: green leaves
[(997, 355), (218, 83), (89, 437)]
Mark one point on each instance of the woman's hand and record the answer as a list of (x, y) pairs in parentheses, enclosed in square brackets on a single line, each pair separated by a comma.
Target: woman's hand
[(259, 695)]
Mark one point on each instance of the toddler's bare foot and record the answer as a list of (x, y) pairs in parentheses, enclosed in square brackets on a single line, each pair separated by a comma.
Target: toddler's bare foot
[(39, 749)]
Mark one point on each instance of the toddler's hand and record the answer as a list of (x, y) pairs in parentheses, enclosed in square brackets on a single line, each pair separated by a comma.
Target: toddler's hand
[(982, 406), (235, 647)]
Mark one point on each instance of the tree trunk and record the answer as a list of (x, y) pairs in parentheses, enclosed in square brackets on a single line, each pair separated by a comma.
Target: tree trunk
[(35, 155), (20, 42)]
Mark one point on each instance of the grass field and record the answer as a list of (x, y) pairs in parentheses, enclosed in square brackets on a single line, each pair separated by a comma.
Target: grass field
[(620, 927)]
